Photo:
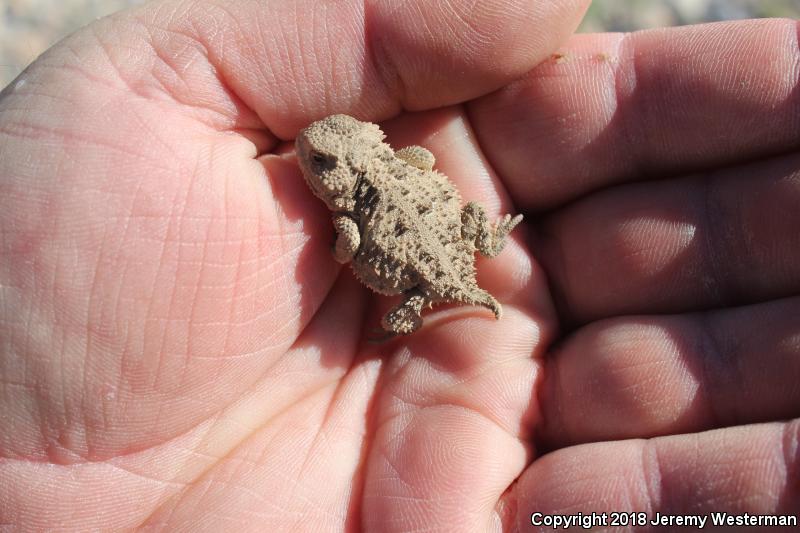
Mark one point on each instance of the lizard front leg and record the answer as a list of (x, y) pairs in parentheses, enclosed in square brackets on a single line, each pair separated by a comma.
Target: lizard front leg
[(416, 156), (348, 239)]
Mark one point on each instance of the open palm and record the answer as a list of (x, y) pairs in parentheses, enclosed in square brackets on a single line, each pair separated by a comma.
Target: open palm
[(181, 351)]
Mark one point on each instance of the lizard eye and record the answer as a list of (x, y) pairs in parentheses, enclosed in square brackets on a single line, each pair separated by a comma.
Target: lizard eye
[(321, 161)]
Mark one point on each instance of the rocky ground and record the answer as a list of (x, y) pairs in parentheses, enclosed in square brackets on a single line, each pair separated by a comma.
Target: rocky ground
[(28, 27)]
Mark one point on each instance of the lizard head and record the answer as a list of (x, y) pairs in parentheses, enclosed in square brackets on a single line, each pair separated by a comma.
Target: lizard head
[(332, 153)]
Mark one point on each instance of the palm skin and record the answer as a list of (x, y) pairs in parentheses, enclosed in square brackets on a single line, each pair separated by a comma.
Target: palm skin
[(181, 351)]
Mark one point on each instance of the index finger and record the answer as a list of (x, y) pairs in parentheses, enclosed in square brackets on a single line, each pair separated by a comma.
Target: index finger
[(612, 108), (294, 62)]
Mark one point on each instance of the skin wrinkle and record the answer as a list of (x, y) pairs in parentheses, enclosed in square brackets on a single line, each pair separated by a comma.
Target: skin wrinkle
[(103, 48), (174, 220), (50, 426), (38, 416), (651, 476), (380, 61), (199, 286), (229, 455), (140, 79), (31, 520), (323, 38), (76, 66), (323, 56), (434, 403), (563, 288), (180, 72), (317, 439), (219, 60), (38, 92), (359, 478), (57, 430), (269, 72), (275, 415), (716, 281), (456, 19), (144, 125), (174, 26), (90, 306), (79, 460), (737, 370), (118, 299), (236, 278), (160, 265), (114, 257), (280, 221), (712, 356), (40, 133), (353, 73), (291, 42), (625, 85), (160, 79)]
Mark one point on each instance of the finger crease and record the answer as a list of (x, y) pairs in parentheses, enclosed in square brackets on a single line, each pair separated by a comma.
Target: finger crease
[(382, 62)]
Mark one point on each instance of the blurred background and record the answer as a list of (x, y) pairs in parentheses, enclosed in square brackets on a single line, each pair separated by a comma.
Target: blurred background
[(28, 27), (630, 15)]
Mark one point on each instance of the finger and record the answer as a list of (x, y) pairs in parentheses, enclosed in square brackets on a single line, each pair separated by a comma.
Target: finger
[(293, 62), (619, 107), (453, 420), (647, 376), (747, 469), (726, 238)]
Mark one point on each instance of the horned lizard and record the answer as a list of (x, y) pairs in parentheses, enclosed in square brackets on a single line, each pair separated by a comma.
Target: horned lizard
[(398, 222)]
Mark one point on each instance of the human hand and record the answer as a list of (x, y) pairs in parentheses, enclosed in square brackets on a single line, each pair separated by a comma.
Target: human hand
[(666, 164), (179, 348)]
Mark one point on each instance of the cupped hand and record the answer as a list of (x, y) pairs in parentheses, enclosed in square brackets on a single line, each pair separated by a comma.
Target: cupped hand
[(180, 351)]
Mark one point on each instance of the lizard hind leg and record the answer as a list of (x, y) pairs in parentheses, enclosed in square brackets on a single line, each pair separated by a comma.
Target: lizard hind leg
[(489, 239), (478, 296), (406, 317)]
